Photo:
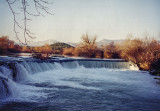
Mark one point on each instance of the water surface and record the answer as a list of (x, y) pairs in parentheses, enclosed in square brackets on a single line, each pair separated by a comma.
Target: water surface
[(82, 89)]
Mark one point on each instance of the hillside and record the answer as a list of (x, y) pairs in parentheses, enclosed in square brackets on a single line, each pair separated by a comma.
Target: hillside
[(107, 41), (99, 43), (41, 43), (60, 46), (50, 41)]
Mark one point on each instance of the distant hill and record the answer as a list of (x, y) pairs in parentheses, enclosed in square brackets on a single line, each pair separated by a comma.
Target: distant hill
[(41, 43), (107, 41), (60, 46), (99, 43), (50, 41)]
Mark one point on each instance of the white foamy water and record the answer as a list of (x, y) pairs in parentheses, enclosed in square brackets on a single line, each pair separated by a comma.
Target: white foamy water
[(63, 83), (84, 78)]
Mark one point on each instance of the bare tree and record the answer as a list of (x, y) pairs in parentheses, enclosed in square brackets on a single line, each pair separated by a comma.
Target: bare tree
[(88, 46), (39, 6)]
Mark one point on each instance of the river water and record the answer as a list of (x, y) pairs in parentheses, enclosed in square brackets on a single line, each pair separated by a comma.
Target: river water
[(54, 87)]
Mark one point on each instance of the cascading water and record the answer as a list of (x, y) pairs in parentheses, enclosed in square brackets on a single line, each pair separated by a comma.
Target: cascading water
[(4, 89), (22, 73), (106, 64), (77, 85), (7, 85), (23, 70)]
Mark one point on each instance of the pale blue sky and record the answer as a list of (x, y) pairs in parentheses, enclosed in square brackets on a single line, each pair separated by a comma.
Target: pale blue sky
[(108, 19)]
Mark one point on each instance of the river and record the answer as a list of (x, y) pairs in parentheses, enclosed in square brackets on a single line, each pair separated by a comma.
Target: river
[(78, 86)]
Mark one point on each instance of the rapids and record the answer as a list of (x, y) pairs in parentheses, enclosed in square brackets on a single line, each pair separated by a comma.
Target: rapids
[(71, 85)]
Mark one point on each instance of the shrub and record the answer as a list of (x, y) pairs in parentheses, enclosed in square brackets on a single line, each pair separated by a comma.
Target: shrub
[(111, 51), (68, 51), (4, 43), (144, 52)]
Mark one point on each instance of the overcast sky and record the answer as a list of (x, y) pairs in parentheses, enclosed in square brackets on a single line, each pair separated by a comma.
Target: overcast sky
[(108, 19)]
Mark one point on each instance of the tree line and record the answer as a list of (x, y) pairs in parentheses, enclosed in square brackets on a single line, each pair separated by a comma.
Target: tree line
[(8, 47), (144, 52)]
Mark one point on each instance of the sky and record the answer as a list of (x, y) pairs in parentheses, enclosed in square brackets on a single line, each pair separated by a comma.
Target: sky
[(107, 19)]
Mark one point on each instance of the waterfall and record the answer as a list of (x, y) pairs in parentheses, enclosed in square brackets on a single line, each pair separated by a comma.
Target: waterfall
[(6, 71), (14, 73), (106, 64), (57, 65), (72, 64), (4, 92), (27, 66), (99, 64), (7, 86), (22, 73)]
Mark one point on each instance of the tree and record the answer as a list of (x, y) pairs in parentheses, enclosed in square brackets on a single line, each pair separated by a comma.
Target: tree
[(47, 49), (111, 51), (87, 47), (25, 5), (4, 42), (143, 52), (131, 50), (11, 44), (25, 49), (68, 51)]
